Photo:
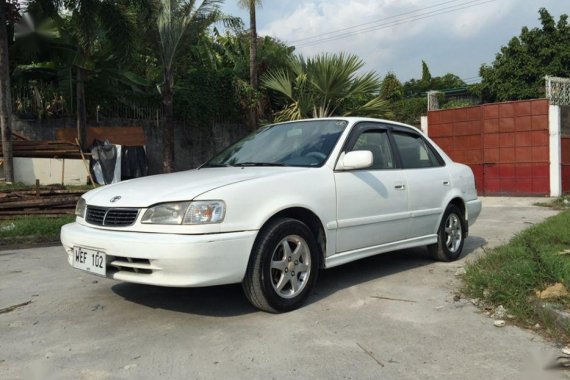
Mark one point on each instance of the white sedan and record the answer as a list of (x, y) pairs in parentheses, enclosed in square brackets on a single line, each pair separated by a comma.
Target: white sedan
[(277, 206)]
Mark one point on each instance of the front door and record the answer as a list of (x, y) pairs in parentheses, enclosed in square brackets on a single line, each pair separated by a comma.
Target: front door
[(372, 203)]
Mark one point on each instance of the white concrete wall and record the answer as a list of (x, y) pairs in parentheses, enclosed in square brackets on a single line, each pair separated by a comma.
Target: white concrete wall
[(555, 151), (49, 171)]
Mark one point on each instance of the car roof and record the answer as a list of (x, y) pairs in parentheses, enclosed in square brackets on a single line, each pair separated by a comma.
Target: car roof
[(355, 119)]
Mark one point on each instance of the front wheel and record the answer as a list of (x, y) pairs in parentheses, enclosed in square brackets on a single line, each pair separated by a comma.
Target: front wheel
[(450, 235), (283, 267)]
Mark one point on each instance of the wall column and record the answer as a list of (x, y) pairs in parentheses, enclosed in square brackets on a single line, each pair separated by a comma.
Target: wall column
[(424, 125), (555, 151)]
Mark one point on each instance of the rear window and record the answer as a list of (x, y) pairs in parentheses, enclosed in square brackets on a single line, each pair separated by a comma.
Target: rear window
[(414, 151)]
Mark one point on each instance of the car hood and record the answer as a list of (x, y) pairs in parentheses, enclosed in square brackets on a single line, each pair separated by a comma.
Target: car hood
[(181, 186)]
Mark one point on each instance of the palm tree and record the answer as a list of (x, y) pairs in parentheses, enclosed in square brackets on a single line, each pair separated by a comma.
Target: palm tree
[(327, 85), (5, 98), (253, 79), (175, 19)]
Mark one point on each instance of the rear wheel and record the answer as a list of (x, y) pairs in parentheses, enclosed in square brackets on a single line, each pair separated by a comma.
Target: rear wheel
[(283, 267), (450, 235)]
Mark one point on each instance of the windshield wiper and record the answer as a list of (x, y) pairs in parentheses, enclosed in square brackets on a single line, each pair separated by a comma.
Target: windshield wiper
[(259, 164), (215, 166)]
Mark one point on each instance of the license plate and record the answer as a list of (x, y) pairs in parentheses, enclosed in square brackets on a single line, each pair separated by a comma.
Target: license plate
[(89, 260)]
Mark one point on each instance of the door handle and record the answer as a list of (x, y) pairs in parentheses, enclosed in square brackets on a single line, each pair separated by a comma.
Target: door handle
[(400, 187), (445, 183)]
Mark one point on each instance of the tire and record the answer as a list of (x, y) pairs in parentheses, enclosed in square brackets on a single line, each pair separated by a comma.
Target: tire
[(450, 235), (283, 266)]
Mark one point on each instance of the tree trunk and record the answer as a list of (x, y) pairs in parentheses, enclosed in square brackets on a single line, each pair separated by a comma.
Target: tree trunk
[(81, 114), (253, 47), (5, 98), (168, 128), (253, 63)]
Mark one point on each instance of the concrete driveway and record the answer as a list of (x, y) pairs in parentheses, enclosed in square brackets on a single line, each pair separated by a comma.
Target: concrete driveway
[(392, 317)]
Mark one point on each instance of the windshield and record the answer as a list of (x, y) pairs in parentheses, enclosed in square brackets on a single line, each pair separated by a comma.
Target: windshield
[(301, 143)]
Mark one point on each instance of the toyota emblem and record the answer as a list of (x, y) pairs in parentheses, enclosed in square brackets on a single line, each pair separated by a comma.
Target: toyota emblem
[(114, 199)]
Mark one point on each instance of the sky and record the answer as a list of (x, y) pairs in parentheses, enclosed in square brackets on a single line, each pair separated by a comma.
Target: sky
[(454, 36)]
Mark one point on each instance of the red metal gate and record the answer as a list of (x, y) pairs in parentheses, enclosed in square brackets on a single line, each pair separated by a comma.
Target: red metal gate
[(505, 144)]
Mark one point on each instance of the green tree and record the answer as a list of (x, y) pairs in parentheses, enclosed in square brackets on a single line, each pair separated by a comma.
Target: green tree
[(92, 28), (391, 88), (177, 18), (232, 53), (414, 105), (96, 24), (417, 87), (520, 67), (446, 82), (46, 54), (327, 85), (426, 75), (410, 110)]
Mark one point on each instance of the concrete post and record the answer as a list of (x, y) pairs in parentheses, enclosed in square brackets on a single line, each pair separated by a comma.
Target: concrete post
[(424, 125), (555, 151)]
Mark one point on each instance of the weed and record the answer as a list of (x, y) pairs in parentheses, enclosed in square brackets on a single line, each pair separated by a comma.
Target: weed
[(560, 203), (32, 229), (509, 275)]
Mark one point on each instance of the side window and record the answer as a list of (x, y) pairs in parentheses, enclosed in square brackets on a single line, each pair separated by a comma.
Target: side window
[(414, 151), (378, 143)]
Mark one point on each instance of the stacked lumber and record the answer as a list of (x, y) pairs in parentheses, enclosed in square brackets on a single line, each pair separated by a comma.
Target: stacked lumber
[(48, 200), (44, 149)]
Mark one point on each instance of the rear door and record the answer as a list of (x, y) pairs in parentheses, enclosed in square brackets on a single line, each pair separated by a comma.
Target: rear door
[(372, 203), (427, 179)]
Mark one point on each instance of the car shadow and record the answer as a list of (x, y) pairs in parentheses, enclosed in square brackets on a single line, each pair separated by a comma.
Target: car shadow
[(229, 301), (213, 301), (375, 267)]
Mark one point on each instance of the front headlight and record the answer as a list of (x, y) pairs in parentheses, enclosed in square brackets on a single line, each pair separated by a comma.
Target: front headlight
[(80, 208), (197, 212)]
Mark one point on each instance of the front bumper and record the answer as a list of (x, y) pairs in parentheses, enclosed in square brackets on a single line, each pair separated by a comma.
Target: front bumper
[(166, 259)]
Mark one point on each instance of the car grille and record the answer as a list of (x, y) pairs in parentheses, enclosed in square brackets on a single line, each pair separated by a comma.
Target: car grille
[(111, 217)]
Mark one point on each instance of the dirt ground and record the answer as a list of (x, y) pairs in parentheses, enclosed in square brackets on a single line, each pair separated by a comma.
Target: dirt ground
[(390, 316)]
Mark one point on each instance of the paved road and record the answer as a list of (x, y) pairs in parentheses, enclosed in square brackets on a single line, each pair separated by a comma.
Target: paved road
[(82, 327)]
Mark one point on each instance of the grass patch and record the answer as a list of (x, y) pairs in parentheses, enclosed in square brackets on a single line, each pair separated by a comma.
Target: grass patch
[(13, 186), (560, 203), (509, 275), (20, 186), (32, 229)]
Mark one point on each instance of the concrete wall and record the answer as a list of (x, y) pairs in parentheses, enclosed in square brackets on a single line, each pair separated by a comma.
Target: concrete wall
[(40, 129), (194, 144), (49, 171)]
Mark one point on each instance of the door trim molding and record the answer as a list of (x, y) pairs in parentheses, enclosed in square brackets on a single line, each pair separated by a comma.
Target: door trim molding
[(344, 223)]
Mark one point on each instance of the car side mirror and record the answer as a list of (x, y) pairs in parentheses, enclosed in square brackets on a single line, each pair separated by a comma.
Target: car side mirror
[(357, 159)]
